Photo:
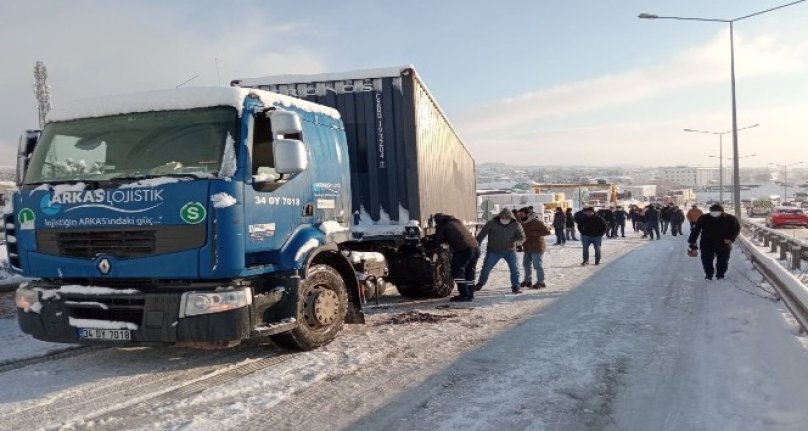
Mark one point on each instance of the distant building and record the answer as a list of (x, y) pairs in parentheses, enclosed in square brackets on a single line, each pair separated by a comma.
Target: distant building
[(641, 192), (694, 176)]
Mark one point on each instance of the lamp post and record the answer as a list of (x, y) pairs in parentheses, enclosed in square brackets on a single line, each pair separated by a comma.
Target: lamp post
[(721, 155), (785, 176), (729, 158), (736, 172)]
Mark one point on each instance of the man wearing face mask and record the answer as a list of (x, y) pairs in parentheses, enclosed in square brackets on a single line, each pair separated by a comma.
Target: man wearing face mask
[(504, 235), (718, 231)]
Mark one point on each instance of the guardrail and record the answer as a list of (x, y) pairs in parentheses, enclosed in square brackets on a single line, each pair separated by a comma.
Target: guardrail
[(788, 287), (794, 250)]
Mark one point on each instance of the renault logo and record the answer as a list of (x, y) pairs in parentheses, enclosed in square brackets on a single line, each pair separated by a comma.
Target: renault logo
[(104, 266)]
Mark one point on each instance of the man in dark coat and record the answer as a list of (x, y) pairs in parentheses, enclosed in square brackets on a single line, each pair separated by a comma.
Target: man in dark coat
[(620, 216), (634, 215), (677, 220), (504, 235), (652, 222), (608, 217), (465, 253), (718, 231), (592, 228), (665, 217), (559, 226), (570, 225)]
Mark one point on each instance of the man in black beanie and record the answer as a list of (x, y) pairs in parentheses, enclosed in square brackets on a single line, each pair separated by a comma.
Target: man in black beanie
[(718, 231)]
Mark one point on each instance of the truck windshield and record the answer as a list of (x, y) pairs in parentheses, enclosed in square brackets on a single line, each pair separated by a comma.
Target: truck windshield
[(140, 145)]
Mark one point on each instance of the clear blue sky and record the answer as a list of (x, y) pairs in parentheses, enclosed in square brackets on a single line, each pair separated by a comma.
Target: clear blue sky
[(533, 82)]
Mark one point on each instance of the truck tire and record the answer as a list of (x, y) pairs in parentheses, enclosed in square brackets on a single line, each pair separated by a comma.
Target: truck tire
[(321, 309), (442, 283)]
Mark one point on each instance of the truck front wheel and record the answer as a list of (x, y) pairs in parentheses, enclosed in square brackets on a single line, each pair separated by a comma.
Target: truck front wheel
[(321, 308)]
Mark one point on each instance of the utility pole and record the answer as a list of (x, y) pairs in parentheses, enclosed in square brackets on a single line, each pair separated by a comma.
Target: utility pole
[(42, 91)]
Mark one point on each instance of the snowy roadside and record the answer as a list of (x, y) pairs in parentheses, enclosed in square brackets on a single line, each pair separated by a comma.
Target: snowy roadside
[(380, 358)]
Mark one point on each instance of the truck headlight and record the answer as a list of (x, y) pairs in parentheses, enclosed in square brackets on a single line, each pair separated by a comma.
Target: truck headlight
[(26, 298), (196, 303)]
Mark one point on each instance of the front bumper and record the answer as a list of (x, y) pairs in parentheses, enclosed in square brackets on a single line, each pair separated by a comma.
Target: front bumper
[(155, 316)]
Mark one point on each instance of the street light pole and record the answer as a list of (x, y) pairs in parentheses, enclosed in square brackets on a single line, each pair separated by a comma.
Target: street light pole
[(736, 171), (785, 177), (721, 154)]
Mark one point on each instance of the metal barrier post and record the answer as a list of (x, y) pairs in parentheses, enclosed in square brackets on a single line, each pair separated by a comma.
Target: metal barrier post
[(774, 243), (783, 255), (796, 256), (766, 238)]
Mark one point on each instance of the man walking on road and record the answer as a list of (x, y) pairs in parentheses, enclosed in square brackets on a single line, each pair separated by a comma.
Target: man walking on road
[(620, 216), (677, 219), (652, 222), (718, 231), (693, 215), (665, 217), (504, 235), (533, 247), (465, 253), (592, 229)]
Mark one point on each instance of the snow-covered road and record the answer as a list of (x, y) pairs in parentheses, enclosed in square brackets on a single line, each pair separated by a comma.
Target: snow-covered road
[(642, 342)]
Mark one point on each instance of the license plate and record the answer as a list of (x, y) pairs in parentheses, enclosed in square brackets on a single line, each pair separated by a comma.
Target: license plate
[(105, 334)]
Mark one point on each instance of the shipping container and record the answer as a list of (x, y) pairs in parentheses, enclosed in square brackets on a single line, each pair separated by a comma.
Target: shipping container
[(407, 161)]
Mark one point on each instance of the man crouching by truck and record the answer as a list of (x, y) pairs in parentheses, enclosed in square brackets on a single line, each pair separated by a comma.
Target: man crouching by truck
[(465, 253)]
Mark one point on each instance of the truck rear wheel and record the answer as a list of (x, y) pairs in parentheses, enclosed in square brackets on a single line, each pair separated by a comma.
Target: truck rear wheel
[(321, 308), (441, 284)]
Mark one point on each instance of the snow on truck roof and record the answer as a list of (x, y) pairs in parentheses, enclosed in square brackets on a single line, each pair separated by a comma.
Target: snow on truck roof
[(385, 72), (177, 99)]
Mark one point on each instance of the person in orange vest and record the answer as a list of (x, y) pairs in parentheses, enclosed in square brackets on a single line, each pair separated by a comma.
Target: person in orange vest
[(693, 215)]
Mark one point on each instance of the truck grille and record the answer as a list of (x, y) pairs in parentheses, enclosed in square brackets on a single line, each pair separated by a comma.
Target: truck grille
[(117, 309), (122, 243)]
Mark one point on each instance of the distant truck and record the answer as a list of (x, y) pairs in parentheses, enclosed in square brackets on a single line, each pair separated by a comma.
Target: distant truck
[(760, 208), (203, 217)]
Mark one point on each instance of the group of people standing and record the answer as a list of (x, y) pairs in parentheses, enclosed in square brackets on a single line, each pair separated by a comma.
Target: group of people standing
[(651, 218), (523, 231)]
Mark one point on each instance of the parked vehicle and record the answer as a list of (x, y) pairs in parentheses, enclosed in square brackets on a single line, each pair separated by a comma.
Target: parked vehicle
[(208, 216), (787, 216), (760, 208)]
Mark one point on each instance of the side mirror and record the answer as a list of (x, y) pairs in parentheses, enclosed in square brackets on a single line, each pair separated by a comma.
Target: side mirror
[(27, 144), (290, 156), (285, 122)]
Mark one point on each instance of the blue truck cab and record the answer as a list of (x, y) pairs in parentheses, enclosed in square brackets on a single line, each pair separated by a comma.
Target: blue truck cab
[(185, 216)]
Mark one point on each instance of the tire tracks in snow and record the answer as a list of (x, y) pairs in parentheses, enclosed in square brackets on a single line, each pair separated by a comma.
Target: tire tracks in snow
[(71, 408)]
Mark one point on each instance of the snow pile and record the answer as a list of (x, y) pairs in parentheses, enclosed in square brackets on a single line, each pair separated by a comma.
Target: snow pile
[(152, 182), (8, 208), (384, 226), (223, 200), (228, 158), (331, 227), (382, 72), (176, 99), (359, 256), (100, 324), (89, 290), (305, 248), (63, 188)]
